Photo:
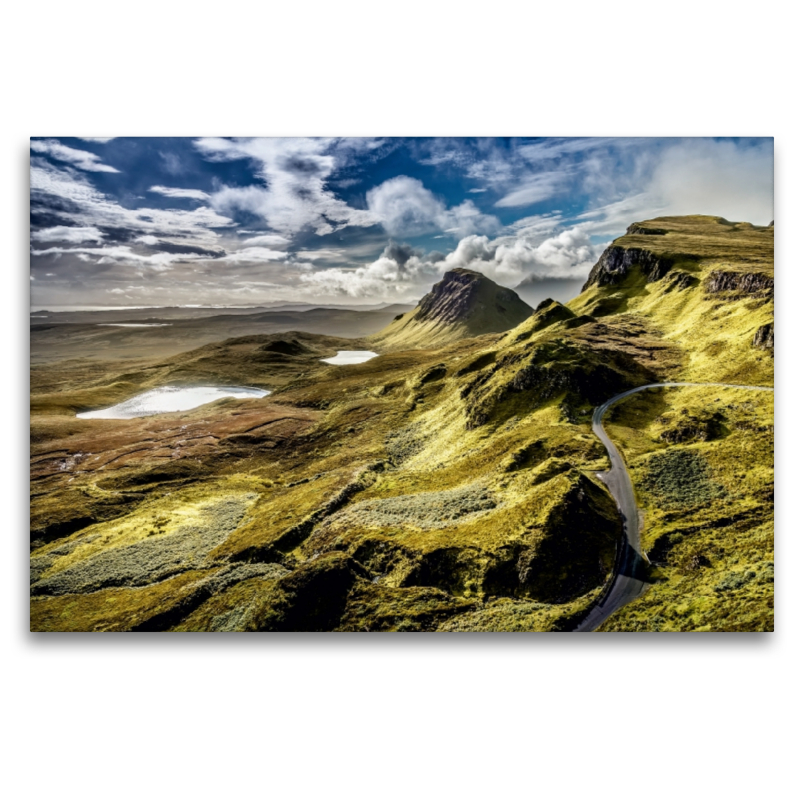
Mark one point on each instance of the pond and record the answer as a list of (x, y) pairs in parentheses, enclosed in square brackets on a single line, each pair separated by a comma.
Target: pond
[(169, 399), (350, 357)]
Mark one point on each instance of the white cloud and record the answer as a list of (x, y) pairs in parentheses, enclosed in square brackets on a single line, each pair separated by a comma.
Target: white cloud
[(467, 218), (556, 148), (692, 176), (250, 255), (533, 189), (147, 239), (295, 173), (406, 208), (64, 233), (326, 253), (98, 139), (400, 273), (569, 254), (267, 240), (536, 224), (78, 158), (723, 178), (120, 254), (88, 207), (169, 191), (496, 168)]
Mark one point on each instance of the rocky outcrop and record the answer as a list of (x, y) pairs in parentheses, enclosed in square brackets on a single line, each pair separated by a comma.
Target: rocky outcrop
[(288, 347), (616, 262), (462, 305), (550, 371), (678, 281), (549, 312), (637, 229), (456, 296), (740, 282), (312, 597), (764, 338)]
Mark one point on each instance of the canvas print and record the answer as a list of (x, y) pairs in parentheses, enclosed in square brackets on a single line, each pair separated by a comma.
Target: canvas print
[(398, 385)]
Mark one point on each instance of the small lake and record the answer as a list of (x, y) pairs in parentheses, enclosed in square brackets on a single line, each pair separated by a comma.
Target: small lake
[(169, 399), (134, 324), (350, 357)]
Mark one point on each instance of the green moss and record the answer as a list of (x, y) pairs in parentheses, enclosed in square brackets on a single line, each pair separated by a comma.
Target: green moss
[(509, 616), (708, 511), (679, 478)]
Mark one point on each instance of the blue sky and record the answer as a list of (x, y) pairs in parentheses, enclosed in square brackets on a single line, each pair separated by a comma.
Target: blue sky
[(213, 221)]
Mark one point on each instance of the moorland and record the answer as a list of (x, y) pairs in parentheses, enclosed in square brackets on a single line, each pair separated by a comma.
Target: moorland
[(452, 483)]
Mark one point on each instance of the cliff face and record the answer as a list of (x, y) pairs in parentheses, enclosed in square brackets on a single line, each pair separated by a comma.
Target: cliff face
[(656, 247), (462, 293), (764, 338), (616, 262), (463, 304), (740, 282)]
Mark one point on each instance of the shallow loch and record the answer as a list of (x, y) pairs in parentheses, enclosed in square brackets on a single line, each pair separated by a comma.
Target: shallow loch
[(169, 399), (350, 357)]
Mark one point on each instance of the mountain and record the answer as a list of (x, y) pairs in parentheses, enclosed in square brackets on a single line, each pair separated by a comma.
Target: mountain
[(462, 305), (534, 289), (455, 486)]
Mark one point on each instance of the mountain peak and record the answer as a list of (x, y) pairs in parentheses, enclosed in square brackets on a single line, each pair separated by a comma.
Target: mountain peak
[(463, 304)]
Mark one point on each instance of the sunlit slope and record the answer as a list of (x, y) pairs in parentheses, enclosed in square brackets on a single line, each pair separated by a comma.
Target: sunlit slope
[(706, 284), (382, 509), (701, 460), (463, 304)]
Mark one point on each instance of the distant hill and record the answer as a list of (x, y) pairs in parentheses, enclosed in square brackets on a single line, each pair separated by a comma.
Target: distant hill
[(106, 335), (462, 305), (534, 289)]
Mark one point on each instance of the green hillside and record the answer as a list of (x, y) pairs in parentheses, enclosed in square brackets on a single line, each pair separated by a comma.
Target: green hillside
[(451, 483)]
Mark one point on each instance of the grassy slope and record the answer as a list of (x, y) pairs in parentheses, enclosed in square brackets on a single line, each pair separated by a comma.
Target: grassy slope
[(711, 534), (392, 428), (713, 331), (701, 460)]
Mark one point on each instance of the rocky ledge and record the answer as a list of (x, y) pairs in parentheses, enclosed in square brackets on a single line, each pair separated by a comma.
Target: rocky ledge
[(616, 262), (764, 338), (740, 282)]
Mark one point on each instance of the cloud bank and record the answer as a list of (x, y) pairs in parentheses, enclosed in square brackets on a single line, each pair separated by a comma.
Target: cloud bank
[(255, 220)]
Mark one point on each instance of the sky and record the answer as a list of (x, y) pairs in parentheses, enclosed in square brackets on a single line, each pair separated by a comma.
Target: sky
[(248, 221)]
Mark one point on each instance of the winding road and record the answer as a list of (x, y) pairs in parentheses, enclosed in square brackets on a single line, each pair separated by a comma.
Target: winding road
[(630, 569)]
